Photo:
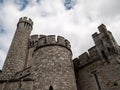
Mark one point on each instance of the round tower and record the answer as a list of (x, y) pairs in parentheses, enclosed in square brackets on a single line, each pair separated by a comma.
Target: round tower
[(15, 60), (53, 66)]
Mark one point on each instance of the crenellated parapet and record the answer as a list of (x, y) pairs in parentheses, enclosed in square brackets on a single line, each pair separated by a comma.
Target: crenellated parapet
[(38, 41), (26, 19), (33, 41), (105, 47), (25, 22), (81, 60), (93, 53), (86, 58)]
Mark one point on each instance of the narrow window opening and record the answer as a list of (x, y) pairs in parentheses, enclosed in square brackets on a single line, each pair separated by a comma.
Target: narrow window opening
[(25, 24), (101, 41), (115, 84), (109, 50), (28, 25), (28, 71), (96, 78), (78, 63), (50, 88), (32, 43), (36, 43), (21, 74), (104, 55), (20, 86), (45, 40)]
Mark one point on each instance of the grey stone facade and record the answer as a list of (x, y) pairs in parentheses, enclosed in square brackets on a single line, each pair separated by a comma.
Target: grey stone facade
[(99, 68), (54, 67), (41, 62)]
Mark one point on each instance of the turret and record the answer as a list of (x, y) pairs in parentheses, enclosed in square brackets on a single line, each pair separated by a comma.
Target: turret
[(52, 64), (102, 28), (16, 57), (105, 43)]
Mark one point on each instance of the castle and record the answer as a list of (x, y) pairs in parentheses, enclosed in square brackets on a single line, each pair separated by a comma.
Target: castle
[(41, 62)]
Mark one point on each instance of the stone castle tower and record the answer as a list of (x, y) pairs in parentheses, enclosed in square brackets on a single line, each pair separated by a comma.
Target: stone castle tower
[(41, 62)]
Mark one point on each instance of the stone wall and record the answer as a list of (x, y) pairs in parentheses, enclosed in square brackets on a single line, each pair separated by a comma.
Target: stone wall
[(99, 68), (99, 76), (86, 58), (44, 62), (53, 66), (16, 85), (26, 73)]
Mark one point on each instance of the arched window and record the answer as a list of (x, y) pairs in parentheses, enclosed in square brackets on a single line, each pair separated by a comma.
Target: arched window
[(50, 88)]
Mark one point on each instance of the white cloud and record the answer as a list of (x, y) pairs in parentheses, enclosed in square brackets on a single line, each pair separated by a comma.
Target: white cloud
[(51, 17), (2, 57)]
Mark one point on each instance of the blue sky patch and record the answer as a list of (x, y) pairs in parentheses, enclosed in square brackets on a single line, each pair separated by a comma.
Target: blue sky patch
[(1, 1), (2, 30), (69, 4), (38, 1), (22, 3)]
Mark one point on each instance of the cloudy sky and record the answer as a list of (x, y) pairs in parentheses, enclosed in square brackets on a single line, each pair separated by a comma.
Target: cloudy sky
[(76, 20)]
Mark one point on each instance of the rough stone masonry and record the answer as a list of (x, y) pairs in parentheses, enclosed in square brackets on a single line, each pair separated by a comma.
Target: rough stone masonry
[(44, 62)]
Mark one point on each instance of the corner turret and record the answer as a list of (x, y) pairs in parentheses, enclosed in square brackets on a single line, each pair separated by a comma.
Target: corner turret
[(105, 43), (102, 28)]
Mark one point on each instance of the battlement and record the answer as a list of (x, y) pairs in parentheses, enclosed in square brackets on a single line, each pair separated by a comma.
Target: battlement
[(102, 28), (38, 41), (95, 35), (26, 19), (86, 58), (82, 60), (25, 22), (34, 38), (33, 41), (93, 53)]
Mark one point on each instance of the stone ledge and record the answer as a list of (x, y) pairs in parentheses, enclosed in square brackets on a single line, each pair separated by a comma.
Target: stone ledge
[(15, 80)]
